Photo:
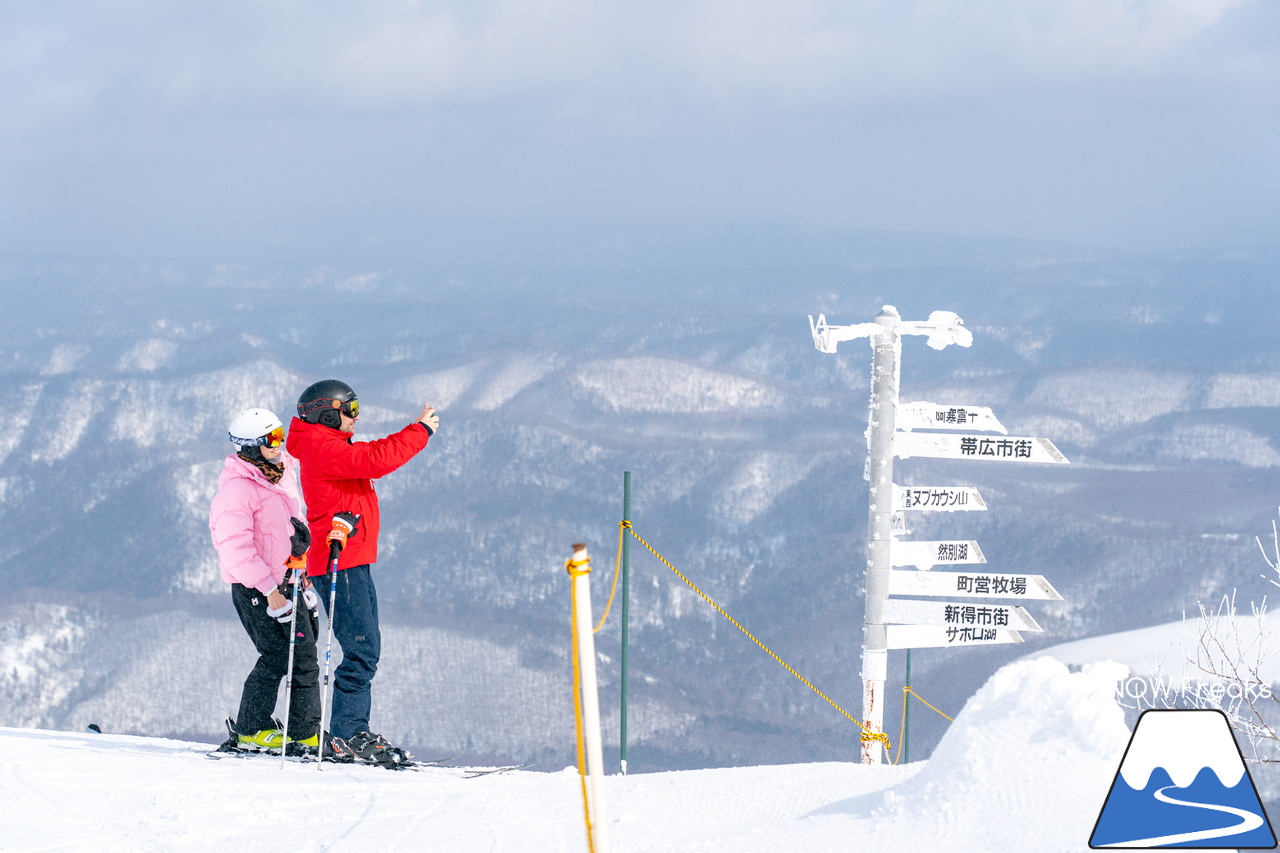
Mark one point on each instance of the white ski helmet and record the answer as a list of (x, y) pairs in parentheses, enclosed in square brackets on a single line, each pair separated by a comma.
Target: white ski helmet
[(256, 428)]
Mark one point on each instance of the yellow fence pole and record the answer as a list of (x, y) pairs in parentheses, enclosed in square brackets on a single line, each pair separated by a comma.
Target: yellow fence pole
[(587, 696)]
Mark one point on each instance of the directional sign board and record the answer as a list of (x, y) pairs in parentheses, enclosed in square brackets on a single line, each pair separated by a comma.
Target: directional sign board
[(971, 584), (925, 555), (937, 498), (936, 636), (983, 447), (946, 613), (933, 416)]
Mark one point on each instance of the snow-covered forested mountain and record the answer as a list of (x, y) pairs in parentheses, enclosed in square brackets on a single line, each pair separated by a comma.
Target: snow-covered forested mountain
[(1157, 377)]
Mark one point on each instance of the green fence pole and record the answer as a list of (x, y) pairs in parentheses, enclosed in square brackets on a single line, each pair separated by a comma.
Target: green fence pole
[(906, 716), (626, 610)]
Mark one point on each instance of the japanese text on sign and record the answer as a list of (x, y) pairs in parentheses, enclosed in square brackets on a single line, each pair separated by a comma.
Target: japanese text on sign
[(971, 614), (953, 552), (954, 416), (992, 584), (934, 497), (967, 634), (1000, 448)]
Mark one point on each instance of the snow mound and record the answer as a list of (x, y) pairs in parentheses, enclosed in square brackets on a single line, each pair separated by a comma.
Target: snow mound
[(1025, 766)]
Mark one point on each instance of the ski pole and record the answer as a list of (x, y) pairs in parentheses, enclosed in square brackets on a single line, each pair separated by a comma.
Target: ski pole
[(344, 527), (288, 677), (334, 549)]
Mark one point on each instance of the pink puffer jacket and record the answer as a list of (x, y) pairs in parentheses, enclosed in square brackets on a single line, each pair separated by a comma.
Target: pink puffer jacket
[(249, 520)]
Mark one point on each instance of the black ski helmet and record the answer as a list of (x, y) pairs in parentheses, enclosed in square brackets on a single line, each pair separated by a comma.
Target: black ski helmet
[(319, 403)]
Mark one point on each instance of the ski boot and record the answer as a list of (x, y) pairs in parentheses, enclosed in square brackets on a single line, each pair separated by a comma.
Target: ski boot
[(337, 751), (370, 748), (305, 748), (265, 740)]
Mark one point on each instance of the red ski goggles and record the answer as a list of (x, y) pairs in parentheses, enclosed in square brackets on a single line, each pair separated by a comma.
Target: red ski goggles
[(275, 438)]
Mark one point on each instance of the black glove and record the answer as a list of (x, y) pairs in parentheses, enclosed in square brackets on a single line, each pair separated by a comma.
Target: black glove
[(300, 541)]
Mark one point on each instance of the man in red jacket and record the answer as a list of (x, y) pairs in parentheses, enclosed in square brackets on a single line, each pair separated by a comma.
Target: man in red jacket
[(337, 476)]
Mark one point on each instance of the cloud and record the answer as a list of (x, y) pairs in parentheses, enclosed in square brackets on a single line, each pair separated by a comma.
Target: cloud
[(873, 49), (390, 53), (1078, 119)]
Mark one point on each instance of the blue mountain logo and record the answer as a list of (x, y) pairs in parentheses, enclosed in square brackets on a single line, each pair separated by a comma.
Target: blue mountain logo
[(1182, 783)]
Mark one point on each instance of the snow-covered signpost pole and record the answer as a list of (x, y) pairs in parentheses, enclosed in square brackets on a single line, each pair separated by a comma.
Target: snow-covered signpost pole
[(886, 347), (904, 623), (943, 329)]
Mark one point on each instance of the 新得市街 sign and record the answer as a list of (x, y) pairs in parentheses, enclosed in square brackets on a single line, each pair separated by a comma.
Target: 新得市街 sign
[(947, 613)]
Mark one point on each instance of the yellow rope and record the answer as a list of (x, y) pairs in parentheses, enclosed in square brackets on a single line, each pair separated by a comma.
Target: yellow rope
[(574, 568), (902, 730), (921, 698), (867, 733), (617, 570)]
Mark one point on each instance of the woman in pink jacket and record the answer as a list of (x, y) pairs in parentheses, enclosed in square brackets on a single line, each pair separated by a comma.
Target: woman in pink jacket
[(256, 527)]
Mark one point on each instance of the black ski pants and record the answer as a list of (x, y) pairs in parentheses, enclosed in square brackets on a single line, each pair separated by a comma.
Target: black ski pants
[(271, 639)]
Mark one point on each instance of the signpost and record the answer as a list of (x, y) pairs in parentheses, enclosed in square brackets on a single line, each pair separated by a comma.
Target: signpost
[(985, 448), (972, 585), (929, 636), (893, 430), (932, 416), (901, 611), (926, 555), (938, 498)]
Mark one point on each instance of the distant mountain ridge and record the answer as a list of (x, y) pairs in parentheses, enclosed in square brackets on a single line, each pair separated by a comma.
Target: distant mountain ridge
[(1156, 377)]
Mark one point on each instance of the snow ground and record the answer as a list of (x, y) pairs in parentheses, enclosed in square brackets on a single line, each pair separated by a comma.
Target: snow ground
[(1026, 767)]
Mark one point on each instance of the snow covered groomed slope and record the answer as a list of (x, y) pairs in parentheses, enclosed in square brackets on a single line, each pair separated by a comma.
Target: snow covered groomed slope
[(1025, 767)]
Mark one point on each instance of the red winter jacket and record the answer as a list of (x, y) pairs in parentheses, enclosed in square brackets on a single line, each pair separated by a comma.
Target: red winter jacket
[(337, 476)]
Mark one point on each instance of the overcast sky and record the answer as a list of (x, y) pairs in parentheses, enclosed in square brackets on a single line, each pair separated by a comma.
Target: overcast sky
[(150, 123)]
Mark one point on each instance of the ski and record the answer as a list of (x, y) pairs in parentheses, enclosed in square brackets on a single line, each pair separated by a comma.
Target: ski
[(227, 751), (230, 748), (414, 764), (220, 753), (477, 772)]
